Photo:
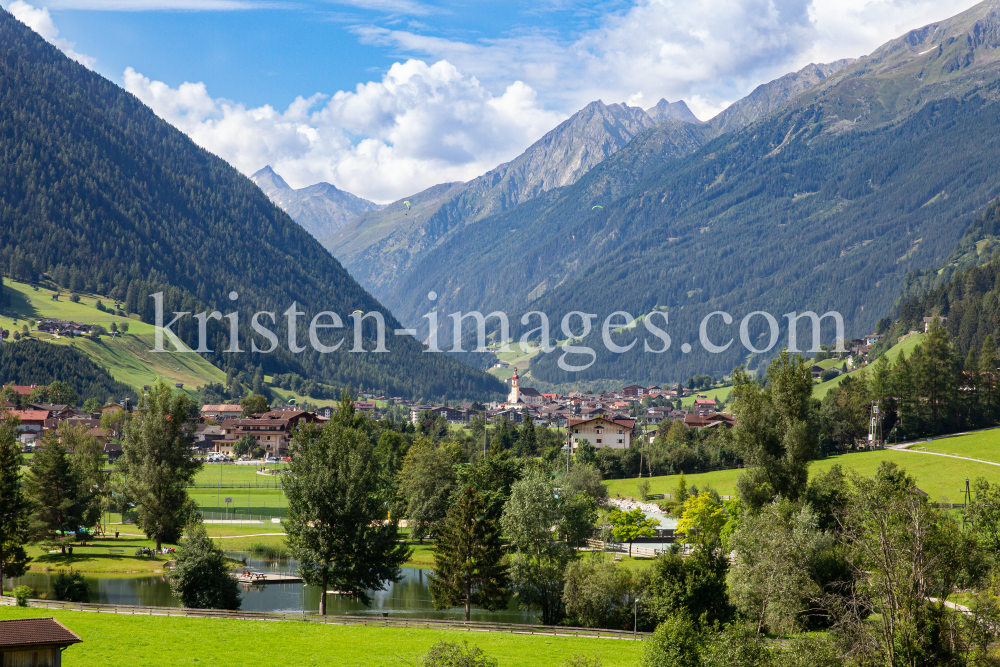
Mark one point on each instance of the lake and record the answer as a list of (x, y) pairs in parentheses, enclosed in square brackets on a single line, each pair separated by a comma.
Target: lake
[(411, 596)]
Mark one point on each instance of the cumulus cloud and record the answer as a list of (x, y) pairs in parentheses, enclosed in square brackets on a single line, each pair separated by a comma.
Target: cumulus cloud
[(708, 53), (41, 22), (420, 125)]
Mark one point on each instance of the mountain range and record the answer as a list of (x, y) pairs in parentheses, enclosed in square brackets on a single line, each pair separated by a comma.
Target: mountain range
[(321, 209), (820, 191), (94, 187), (382, 248)]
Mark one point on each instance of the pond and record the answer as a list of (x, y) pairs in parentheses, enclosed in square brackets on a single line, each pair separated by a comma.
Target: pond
[(410, 596)]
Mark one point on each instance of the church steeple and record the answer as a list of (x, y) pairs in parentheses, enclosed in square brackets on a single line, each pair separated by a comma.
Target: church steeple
[(515, 389)]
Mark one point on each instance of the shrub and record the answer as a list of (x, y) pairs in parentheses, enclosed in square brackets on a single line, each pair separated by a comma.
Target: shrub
[(21, 595), (447, 654), (70, 587), (75, 298), (676, 643), (583, 661)]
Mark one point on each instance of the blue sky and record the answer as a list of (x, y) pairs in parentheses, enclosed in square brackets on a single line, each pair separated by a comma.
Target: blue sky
[(386, 97), (271, 55)]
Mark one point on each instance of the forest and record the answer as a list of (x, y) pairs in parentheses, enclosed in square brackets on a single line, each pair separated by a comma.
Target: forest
[(104, 197), (33, 362)]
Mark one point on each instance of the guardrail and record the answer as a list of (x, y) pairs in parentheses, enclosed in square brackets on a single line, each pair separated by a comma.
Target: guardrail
[(354, 620)]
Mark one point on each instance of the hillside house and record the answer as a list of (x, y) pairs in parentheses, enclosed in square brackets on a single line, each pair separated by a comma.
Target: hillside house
[(633, 391)]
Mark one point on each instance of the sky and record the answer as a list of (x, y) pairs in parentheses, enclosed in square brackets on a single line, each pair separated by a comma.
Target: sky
[(384, 98)]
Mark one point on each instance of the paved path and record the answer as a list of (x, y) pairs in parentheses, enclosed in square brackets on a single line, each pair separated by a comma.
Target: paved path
[(904, 447)]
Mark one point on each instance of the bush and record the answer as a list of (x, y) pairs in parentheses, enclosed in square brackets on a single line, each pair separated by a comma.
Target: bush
[(201, 578), (447, 654), (22, 594), (583, 661), (676, 643), (70, 587), (75, 298), (829, 374), (737, 645)]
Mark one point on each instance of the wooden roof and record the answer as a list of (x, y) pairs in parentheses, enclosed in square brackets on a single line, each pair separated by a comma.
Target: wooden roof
[(27, 632)]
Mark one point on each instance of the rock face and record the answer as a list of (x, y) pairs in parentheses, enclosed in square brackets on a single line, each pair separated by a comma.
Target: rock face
[(380, 247), (769, 97), (321, 209), (665, 110)]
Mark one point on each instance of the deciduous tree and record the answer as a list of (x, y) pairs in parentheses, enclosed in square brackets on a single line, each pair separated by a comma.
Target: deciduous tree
[(157, 463), (337, 508), (201, 579)]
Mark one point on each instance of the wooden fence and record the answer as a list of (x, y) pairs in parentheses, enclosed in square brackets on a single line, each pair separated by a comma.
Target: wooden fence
[(373, 620)]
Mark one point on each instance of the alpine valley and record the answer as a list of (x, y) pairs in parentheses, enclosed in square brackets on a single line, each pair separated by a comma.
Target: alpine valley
[(821, 191)]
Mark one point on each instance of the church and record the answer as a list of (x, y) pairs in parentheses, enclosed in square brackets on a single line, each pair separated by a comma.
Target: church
[(520, 398)]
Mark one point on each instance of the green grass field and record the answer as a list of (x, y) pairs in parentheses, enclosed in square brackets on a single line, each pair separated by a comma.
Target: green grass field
[(128, 358), (909, 342), (984, 445), (155, 641), (942, 478)]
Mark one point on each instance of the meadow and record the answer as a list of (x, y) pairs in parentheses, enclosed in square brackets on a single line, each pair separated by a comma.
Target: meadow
[(942, 478), (983, 445), (154, 641)]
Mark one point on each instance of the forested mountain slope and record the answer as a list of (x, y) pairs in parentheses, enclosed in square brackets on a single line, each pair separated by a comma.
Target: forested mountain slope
[(33, 362), (827, 204), (321, 209), (384, 249), (94, 186)]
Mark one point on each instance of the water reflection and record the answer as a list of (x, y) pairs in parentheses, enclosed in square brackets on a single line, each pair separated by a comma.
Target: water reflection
[(410, 597)]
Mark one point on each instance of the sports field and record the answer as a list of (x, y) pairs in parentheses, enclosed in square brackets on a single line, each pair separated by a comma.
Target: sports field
[(155, 641)]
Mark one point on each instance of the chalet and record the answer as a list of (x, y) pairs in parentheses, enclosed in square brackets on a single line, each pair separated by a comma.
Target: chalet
[(23, 389), (513, 416), (272, 430), (653, 391), (32, 421), (224, 411), (928, 320), (602, 432), (452, 415), (113, 450), (325, 412), (633, 391), (38, 642)]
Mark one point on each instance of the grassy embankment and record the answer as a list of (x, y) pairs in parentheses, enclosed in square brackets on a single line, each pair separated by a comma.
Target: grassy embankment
[(942, 478), (153, 641), (983, 445)]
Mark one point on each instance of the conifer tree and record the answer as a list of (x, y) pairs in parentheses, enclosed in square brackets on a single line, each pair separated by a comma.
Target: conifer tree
[(53, 486), (157, 464), (470, 565), (14, 508)]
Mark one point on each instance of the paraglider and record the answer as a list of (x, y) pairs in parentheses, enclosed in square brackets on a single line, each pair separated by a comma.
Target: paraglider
[(597, 207), (407, 204)]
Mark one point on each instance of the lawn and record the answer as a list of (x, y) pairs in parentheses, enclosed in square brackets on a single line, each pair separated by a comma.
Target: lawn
[(942, 478), (154, 641), (984, 445), (96, 556)]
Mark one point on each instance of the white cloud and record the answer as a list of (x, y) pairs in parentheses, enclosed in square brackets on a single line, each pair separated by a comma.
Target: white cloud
[(708, 53), (420, 125), (41, 22), (407, 7)]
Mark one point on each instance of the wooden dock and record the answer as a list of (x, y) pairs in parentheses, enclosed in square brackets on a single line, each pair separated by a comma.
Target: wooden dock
[(268, 578)]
